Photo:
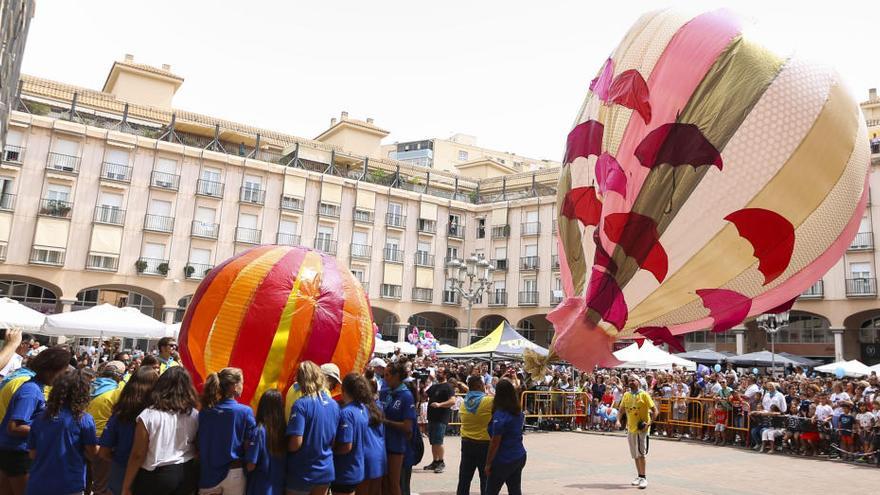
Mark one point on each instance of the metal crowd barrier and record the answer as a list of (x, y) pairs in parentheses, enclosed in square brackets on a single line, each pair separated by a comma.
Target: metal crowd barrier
[(697, 414)]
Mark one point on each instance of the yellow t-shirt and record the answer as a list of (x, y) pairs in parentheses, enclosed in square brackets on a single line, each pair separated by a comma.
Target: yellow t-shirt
[(293, 394), (165, 365), (101, 407), (636, 407), (475, 426), (9, 390)]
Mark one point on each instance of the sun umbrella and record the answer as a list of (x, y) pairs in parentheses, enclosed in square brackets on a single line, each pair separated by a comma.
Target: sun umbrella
[(761, 358), (13, 314), (853, 368)]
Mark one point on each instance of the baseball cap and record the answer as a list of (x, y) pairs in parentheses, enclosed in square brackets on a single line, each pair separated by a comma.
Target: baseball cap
[(378, 362), (331, 370), (115, 366)]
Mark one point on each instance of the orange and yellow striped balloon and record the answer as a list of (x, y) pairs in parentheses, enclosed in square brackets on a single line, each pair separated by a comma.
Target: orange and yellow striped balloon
[(268, 309)]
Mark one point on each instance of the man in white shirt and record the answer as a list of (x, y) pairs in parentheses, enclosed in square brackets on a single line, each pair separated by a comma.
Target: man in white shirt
[(773, 398), (16, 359)]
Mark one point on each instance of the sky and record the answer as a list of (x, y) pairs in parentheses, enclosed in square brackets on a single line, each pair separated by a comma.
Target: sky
[(512, 73)]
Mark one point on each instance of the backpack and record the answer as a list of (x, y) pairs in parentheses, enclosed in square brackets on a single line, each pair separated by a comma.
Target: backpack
[(417, 444)]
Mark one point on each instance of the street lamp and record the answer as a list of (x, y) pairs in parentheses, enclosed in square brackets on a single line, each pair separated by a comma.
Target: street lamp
[(772, 323), (474, 272)]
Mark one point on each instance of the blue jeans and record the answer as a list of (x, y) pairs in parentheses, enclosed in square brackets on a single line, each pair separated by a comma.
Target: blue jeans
[(473, 457), (756, 434), (508, 473)]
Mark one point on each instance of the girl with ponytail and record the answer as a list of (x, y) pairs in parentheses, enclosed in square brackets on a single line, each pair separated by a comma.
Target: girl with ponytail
[(266, 453), (375, 458), (226, 428), (351, 436)]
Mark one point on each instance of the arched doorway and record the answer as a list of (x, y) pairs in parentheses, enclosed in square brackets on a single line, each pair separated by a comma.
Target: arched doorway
[(488, 323), (145, 301), (182, 304), (387, 323), (537, 329), (37, 295), (442, 326)]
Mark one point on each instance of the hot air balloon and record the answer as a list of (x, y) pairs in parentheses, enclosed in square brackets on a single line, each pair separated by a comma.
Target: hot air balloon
[(706, 180), (271, 307)]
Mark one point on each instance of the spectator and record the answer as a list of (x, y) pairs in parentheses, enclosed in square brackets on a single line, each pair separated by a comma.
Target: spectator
[(105, 392), (773, 398), (161, 459), (476, 414), (267, 450), (151, 361), (441, 397), (775, 429), (845, 428), (167, 350), (639, 410), (62, 437), (15, 349), (507, 455)]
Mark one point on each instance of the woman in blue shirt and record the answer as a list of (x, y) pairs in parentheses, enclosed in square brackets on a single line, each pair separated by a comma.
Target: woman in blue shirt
[(400, 418), (351, 436), (265, 455), (26, 404), (507, 456), (375, 457), (310, 433), (227, 427), (118, 436), (62, 437)]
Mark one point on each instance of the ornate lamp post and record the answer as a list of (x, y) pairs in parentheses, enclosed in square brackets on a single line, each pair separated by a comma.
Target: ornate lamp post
[(470, 278), (772, 323)]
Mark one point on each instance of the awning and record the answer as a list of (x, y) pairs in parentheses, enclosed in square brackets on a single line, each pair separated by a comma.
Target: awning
[(13, 314)]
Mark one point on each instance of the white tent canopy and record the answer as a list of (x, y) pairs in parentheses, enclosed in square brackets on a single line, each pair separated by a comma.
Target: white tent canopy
[(875, 368), (853, 368), (102, 321), (13, 314), (405, 347), (383, 347), (172, 330), (651, 357)]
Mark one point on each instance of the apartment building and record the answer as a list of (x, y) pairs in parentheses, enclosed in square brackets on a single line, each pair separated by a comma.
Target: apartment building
[(116, 196)]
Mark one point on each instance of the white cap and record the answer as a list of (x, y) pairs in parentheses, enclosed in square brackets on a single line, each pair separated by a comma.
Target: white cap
[(378, 362)]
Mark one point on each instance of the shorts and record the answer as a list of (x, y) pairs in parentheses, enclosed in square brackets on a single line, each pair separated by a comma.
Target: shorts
[(342, 488), (719, 427), (436, 432), (810, 436), (14, 463), (638, 443)]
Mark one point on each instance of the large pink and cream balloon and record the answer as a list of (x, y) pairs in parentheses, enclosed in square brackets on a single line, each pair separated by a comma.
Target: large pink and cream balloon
[(706, 180)]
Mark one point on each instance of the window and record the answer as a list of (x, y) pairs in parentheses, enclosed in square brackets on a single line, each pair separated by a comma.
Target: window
[(154, 250), (395, 209), (324, 241), (860, 270), (359, 273), (159, 216), (247, 221), (166, 166), (287, 230), (109, 208), (66, 147), (451, 252), (211, 174), (7, 197), (31, 295), (199, 263), (462, 155), (121, 299), (198, 255), (288, 227), (392, 243), (500, 253), (205, 215), (13, 149), (531, 250), (481, 228), (58, 192), (531, 216), (530, 285), (253, 182), (160, 207), (360, 237)]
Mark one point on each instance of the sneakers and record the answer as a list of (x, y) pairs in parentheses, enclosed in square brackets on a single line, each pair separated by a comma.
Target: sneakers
[(440, 467), (643, 483), (431, 467), (636, 481)]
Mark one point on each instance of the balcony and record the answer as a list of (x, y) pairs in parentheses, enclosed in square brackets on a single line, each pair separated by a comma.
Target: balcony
[(530, 228), (13, 154), (292, 203), (252, 196), (67, 164), (423, 258), (861, 287), (555, 297), (864, 241), (427, 226), (455, 231), (391, 291), (422, 295), (361, 251), (43, 255), (110, 215), (328, 210), (529, 263), (325, 245), (164, 180), (554, 262), (498, 297), (451, 297), (362, 216), (815, 291), (501, 232), (205, 230), (7, 202), (555, 226), (197, 271), (105, 262), (393, 255), (248, 236), (3, 248), (285, 239), (395, 221), (158, 223), (499, 264), (116, 172), (151, 266), (209, 188), (528, 298), (56, 208)]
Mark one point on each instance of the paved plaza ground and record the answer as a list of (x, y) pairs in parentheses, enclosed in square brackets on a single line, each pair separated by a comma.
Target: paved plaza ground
[(580, 463)]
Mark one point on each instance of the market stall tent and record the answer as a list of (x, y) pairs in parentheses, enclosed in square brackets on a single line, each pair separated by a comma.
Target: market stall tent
[(13, 314), (853, 368), (503, 342), (103, 321), (649, 356)]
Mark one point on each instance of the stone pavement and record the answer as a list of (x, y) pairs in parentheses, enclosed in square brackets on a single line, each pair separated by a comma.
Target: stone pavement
[(583, 463)]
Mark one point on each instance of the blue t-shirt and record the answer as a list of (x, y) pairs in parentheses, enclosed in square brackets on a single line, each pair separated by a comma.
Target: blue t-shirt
[(510, 428), (399, 406), (60, 441), (267, 478), (375, 458), (118, 436), (27, 403), (315, 419), (224, 431), (354, 421)]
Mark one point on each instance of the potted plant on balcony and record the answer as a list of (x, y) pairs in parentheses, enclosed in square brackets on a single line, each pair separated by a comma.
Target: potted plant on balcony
[(162, 268), (188, 271), (140, 266), (474, 196)]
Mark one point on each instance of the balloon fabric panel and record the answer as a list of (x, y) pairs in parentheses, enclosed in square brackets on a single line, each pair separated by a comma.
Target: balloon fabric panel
[(327, 319)]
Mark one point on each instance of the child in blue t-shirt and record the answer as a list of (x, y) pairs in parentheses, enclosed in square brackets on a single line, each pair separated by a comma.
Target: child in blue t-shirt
[(400, 425), (351, 436), (507, 455), (375, 457), (265, 454), (62, 437)]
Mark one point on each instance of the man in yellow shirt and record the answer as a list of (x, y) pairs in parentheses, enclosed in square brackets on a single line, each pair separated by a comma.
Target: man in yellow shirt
[(640, 410), (106, 390), (167, 349), (476, 413)]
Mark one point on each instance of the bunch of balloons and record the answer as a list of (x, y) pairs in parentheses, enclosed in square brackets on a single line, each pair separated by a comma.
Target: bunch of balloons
[(423, 340)]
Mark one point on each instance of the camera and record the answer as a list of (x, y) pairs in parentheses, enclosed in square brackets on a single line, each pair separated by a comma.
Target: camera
[(420, 374)]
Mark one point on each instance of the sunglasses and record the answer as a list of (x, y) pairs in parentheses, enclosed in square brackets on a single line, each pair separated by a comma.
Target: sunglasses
[(173, 346)]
